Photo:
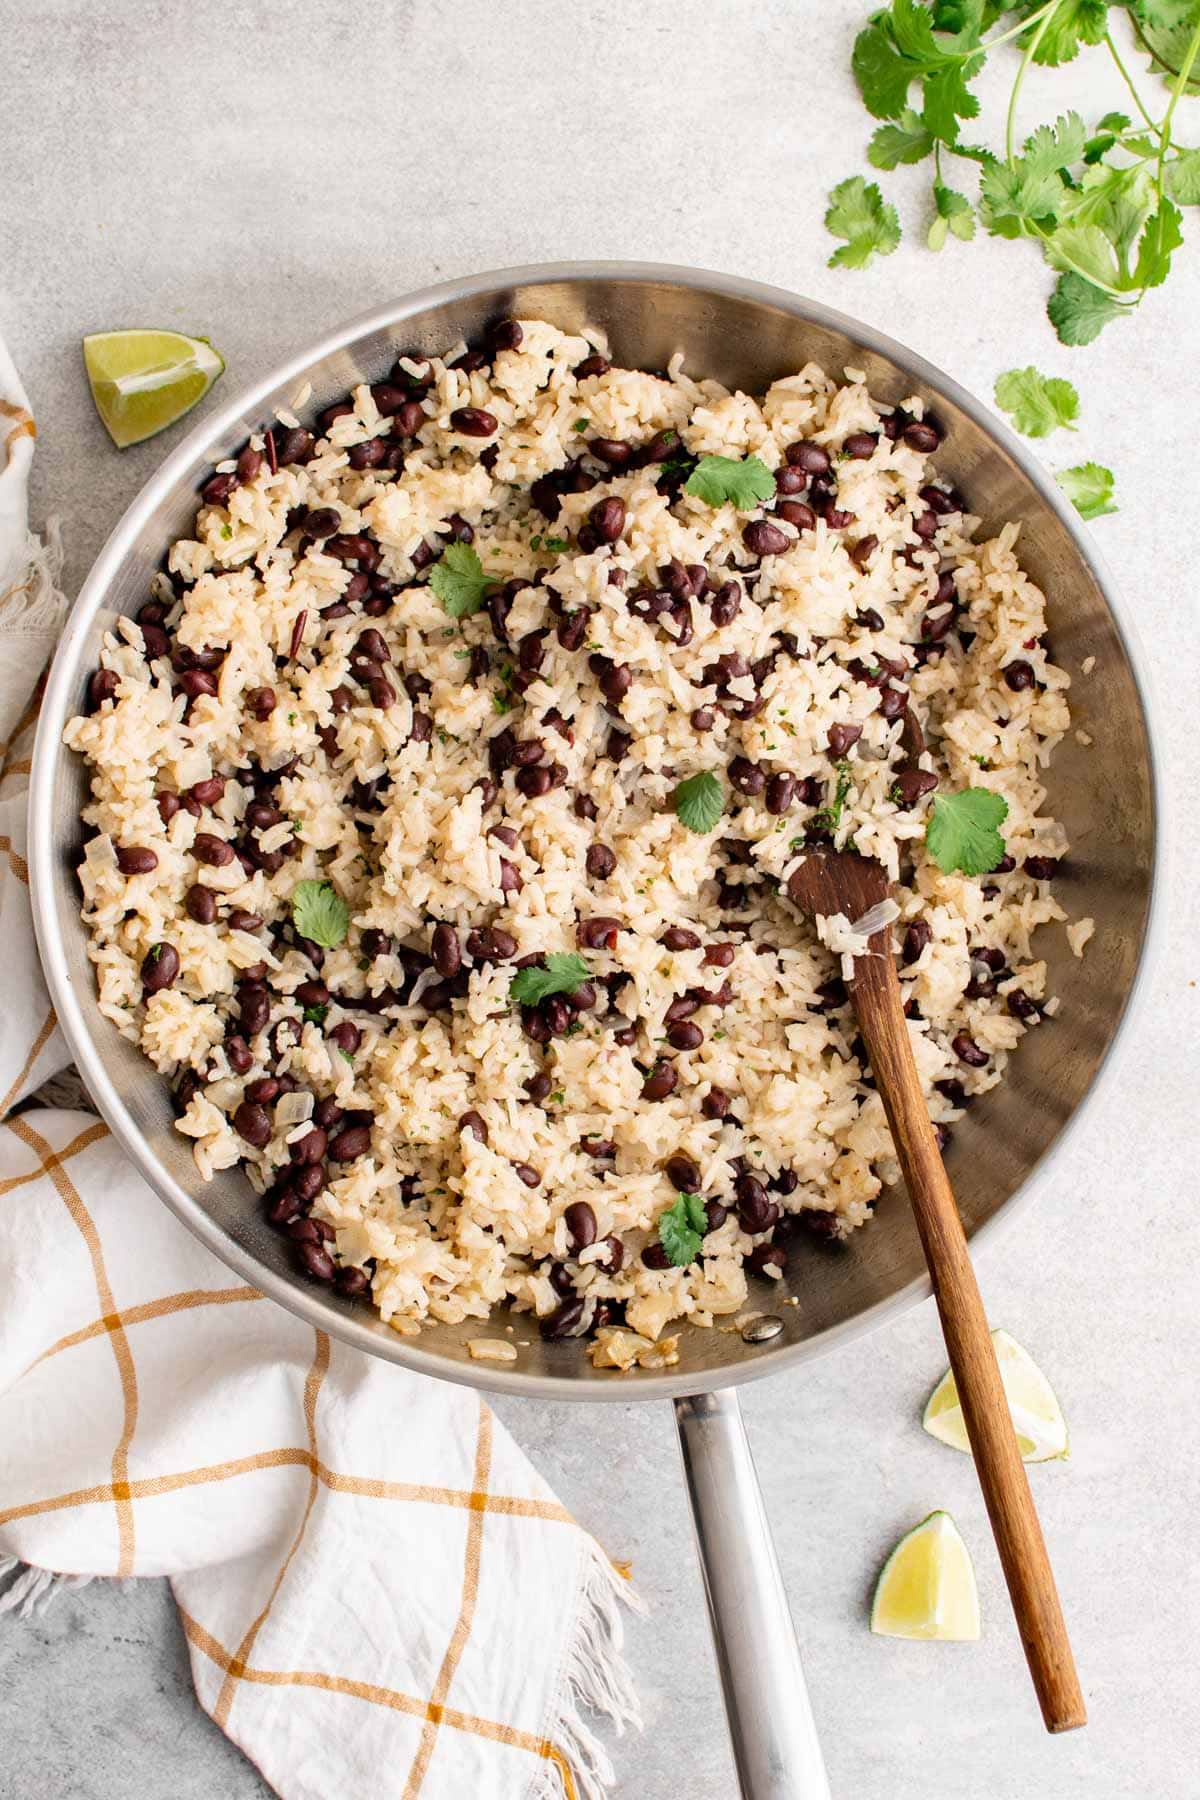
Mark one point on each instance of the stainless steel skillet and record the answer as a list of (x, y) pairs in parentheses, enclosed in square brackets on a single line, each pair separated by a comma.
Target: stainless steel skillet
[(746, 335)]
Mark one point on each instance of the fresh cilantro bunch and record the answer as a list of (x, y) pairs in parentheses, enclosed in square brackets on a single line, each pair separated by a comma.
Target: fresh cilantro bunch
[(1102, 202)]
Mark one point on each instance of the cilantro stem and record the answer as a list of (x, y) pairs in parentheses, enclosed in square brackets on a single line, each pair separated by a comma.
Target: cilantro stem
[(1043, 19), (988, 44), (1128, 80), (1181, 81)]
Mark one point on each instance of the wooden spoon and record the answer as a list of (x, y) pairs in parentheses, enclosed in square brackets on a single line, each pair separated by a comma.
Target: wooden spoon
[(827, 883)]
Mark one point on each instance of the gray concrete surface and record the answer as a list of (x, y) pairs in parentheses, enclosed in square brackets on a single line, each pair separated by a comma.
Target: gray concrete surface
[(258, 172)]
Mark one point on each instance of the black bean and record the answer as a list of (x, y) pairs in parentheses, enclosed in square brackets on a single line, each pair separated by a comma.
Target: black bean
[(160, 966), (557, 1015), (538, 1086), (754, 1205), (446, 951), (683, 1173), (564, 1321), (841, 737), (715, 1104), (1018, 676), (789, 480), (892, 702), (726, 603), (598, 933), (922, 435), (600, 861), (533, 782), (1041, 868), (863, 551), (327, 1113), (685, 1036), (746, 776), (215, 851), (218, 488), (525, 1172), (472, 421), (253, 1123), (254, 1007), (475, 1123), (352, 1141), (607, 519), (681, 1008), (510, 877), (655, 1257), (968, 1051), (261, 815), (765, 1257), (660, 1082), (919, 933), (1021, 1006), (580, 1221), (195, 682), (781, 791), (294, 445), (353, 1283), (102, 686), (911, 784), (263, 1091), (678, 937), (926, 526), (505, 334), (201, 904), (346, 1035), (762, 538), (592, 365), (155, 642), (136, 859), (811, 458), (796, 513), (316, 1261), (860, 445), (585, 807), (260, 703), (491, 944), (238, 1053), (312, 993)]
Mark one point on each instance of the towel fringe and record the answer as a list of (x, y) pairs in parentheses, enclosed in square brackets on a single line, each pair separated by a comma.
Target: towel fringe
[(595, 1677), (30, 1590), (37, 603)]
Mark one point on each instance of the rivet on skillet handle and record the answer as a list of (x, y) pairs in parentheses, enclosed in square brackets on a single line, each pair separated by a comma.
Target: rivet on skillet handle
[(775, 1745)]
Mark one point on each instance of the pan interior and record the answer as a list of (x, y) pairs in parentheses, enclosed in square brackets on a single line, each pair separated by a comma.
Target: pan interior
[(748, 337)]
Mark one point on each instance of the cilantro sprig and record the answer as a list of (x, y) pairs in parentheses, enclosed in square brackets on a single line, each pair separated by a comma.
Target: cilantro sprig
[(859, 213), (459, 581), (681, 1229), (745, 482), (560, 973), (1102, 202), (1089, 488), (319, 913), (1037, 404), (699, 802), (963, 833)]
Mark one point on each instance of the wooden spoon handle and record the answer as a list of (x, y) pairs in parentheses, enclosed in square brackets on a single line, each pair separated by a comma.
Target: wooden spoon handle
[(1002, 1476)]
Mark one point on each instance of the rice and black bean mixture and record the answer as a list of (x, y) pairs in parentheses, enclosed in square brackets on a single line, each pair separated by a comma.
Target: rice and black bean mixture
[(444, 795)]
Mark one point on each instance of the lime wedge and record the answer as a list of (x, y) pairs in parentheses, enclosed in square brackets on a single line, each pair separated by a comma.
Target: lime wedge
[(1036, 1415), (927, 1588), (142, 381)]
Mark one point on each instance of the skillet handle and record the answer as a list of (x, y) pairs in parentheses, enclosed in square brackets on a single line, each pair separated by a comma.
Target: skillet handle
[(771, 1725)]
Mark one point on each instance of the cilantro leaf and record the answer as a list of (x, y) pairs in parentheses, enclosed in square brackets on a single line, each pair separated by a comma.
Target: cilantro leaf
[(319, 913), (907, 141), (884, 75), (963, 832), (1183, 178), (954, 213), (681, 1229), (699, 802), (858, 213), (1165, 15), (1073, 22), (315, 1015), (1030, 190), (948, 99), (1162, 235), (745, 482), (559, 974), (1089, 488), (1037, 404), (1079, 311), (459, 582)]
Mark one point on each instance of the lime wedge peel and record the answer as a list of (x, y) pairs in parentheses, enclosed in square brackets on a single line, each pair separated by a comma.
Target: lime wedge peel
[(1036, 1415), (927, 1589), (143, 381)]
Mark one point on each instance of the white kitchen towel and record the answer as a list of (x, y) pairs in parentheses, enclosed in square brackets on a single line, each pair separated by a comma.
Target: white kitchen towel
[(380, 1594)]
